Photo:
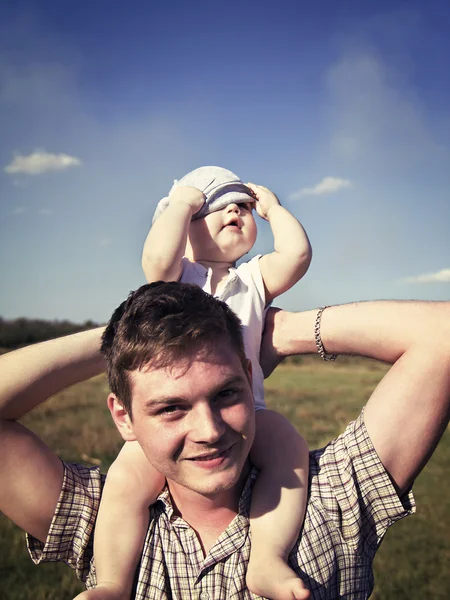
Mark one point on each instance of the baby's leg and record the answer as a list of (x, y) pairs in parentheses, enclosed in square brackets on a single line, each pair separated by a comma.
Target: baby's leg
[(278, 507), (131, 486)]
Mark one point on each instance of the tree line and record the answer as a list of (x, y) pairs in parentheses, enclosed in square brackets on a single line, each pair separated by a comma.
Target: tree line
[(20, 332)]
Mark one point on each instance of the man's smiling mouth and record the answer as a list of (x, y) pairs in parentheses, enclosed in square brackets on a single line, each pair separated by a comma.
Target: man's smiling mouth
[(210, 455)]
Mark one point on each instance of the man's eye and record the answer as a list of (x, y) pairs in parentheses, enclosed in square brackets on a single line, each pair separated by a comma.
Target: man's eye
[(167, 410), (227, 394)]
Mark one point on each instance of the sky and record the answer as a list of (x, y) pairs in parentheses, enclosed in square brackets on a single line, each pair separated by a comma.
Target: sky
[(341, 108)]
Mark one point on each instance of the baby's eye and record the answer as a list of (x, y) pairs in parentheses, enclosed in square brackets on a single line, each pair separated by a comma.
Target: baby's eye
[(247, 206)]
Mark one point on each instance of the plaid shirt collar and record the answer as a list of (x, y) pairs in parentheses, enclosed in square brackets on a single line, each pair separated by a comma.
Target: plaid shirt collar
[(231, 540)]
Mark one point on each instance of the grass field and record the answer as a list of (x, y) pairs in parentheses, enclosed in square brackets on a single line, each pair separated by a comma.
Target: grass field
[(320, 399)]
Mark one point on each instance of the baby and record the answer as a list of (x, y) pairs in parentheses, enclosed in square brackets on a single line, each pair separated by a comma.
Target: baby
[(199, 232)]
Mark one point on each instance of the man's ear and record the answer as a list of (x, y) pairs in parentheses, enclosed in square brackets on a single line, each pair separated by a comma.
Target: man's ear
[(121, 418)]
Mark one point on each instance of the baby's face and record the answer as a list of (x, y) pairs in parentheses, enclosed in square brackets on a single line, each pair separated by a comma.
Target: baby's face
[(224, 235)]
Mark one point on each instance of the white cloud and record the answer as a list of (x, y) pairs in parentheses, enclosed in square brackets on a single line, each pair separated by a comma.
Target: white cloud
[(40, 161), (328, 185), (442, 276), (45, 211)]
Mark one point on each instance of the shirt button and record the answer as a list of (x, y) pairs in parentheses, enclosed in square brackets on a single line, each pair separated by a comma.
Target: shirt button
[(204, 596)]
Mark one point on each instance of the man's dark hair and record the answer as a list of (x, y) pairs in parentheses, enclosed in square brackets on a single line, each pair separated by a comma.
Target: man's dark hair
[(161, 323)]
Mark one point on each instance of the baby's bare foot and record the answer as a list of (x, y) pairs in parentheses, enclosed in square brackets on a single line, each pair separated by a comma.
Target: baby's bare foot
[(271, 577)]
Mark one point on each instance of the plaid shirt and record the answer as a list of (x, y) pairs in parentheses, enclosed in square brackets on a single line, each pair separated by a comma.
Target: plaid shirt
[(352, 503)]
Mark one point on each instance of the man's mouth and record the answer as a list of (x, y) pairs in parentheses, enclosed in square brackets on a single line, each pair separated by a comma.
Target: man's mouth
[(210, 456), (212, 459)]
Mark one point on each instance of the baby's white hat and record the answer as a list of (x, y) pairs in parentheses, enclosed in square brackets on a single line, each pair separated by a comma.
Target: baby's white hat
[(220, 186)]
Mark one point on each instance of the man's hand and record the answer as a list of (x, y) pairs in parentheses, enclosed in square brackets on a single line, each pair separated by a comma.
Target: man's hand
[(264, 200), (188, 195)]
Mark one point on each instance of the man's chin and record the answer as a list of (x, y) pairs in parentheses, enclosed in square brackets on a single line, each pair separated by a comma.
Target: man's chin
[(222, 486), (210, 484)]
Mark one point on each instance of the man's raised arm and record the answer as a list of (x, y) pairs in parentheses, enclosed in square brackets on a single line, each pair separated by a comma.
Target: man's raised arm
[(30, 474), (409, 410)]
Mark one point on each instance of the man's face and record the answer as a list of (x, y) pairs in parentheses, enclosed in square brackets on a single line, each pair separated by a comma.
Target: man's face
[(223, 235), (195, 420)]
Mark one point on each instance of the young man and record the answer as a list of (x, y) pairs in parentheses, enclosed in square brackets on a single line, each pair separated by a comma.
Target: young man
[(181, 387)]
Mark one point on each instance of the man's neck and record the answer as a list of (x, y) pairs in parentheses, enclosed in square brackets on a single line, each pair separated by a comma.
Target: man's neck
[(208, 515)]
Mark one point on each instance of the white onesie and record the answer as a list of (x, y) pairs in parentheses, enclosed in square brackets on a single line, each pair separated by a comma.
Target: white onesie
[(244, 294)]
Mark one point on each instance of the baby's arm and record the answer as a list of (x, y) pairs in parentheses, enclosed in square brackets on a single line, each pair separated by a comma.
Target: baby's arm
[(166, 241), (278, 506), (131, 486), (292, 254)]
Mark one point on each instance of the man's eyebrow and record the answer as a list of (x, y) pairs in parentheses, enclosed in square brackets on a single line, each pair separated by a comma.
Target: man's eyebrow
[(232, 380), (173, 400), (166, 401)]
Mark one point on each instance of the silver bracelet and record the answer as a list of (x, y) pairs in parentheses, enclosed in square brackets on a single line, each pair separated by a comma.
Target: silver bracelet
[(319, 344)]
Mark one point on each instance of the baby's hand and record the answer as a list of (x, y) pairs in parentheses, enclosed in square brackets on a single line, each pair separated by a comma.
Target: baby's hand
[(264, 199), (188, 195)]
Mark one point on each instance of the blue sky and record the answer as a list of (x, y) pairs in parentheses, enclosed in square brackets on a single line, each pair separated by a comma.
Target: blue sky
[(342, 108)]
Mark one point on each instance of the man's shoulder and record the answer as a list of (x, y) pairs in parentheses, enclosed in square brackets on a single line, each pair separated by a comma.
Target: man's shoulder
[(70, 537), (351, 486), (78, 476)]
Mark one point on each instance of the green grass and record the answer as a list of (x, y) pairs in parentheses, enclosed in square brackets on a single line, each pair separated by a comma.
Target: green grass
[(320, 399)]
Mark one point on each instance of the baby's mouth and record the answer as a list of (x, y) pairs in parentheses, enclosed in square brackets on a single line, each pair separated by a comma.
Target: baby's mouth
[(232, 224)]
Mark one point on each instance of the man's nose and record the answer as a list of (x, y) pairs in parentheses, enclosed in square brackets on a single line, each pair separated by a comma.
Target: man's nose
[(207, 424)]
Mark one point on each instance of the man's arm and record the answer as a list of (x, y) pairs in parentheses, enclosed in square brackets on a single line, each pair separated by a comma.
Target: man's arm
[(409, 410), (282, 268), (165, 244), (30, 474)]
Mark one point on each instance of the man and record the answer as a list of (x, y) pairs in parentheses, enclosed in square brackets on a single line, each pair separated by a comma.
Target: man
[(181, 387)]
